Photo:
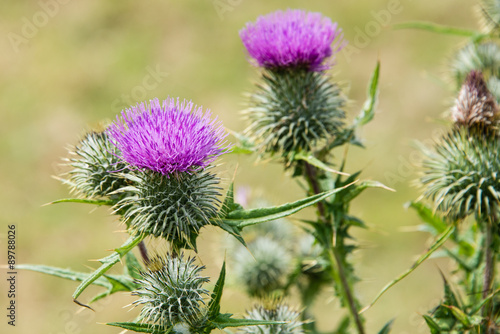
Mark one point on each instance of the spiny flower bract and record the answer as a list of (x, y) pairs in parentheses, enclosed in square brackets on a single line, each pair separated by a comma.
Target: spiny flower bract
[(294, 110), (281, 312), (171, 292), (94, 161), (461, 174), (292, 38), (173, 207), (168, 137), (475, 105)]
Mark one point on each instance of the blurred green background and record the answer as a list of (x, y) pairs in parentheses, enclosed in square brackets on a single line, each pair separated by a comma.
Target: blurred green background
[(67, 65)]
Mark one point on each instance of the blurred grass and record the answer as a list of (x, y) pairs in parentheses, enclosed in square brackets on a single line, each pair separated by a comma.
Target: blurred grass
[(72, 74)]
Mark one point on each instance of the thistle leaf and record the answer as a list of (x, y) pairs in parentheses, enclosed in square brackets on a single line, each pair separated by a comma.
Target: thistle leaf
[(64, 273), (214, 304), (432, 324), (368, 111), (387, 328), (425, 213), (460, 315), (441, 29), (83, 200), (309, 158), (435, 246), (132, 266), (140, 328), (107, 263), (225, 320), (243, 218)]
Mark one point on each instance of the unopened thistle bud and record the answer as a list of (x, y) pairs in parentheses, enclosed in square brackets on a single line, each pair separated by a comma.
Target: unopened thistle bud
[(475, 105), (263, 267), (97, 169), (296, 106), (169, 146), (461, 175), (280, 312), (171, 293)]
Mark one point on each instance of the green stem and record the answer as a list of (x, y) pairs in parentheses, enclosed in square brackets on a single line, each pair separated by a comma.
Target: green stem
[(489, 270), (144, 252), (337, 268), (340, 277)]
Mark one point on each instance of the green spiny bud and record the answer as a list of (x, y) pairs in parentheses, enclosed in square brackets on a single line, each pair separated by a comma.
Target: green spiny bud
[(293, 110), (462, 174), (96, 166), (171, 293), (280, 312), (262, 267), (173, 206)]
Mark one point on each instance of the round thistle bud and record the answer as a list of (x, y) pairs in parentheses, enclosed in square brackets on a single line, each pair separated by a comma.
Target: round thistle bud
[(475, 105), (484, 57), (293, 110), (173, 207), (96, 166), (461, 175), (280, 312), (170, 146), (171, 293), (262, 267), (293, 38)]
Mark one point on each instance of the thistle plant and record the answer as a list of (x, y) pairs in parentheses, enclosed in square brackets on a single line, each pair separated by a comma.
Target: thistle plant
[(460, 201), (154, 166), (460, 178), (296, 113)]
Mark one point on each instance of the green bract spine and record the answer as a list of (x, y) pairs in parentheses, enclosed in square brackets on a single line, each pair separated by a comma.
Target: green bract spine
[(97, 169), (174, 206), (293, 109)]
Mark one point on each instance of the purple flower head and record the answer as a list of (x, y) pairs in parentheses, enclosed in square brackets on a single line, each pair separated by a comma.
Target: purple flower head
[(167, 138), (292, 38)]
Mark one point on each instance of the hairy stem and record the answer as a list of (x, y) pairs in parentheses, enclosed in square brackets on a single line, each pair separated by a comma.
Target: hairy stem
[(338, 271)]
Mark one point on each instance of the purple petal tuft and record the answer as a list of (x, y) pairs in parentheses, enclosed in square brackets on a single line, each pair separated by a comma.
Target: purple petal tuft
[(292, 38), (167, 138)]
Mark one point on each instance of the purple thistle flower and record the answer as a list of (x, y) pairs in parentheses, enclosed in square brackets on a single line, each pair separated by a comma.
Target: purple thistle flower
[(168, 138), (292, 38)]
